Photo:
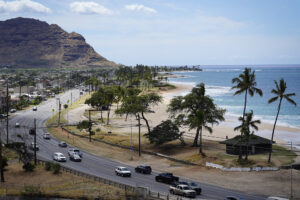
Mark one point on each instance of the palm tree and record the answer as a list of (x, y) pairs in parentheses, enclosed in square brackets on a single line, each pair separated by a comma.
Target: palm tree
[(245, 128), (246, 83), (279, 94)]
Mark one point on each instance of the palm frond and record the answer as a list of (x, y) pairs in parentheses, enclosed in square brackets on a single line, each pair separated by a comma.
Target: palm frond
[(272, 99)]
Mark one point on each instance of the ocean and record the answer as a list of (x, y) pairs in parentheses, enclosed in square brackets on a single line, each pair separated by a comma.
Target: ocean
[(218, 82)]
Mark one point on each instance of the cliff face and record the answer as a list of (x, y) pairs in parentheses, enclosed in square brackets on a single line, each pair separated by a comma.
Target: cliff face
[(32, 43)]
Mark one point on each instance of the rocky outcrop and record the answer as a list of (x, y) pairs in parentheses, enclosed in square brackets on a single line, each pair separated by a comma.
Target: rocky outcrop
[(30, 43)]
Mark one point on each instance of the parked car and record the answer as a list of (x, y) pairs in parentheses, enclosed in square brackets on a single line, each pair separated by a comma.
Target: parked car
[(36, 146), (74, 150), (59, 157), (3, 116), (13, 110), (233, 198), (75, 157), (122, 171), (144, 169), (34, 108), (17, 125), (46, 136), (183, 190), (62, 144), (166, 178), (276, 198), (192, 185)]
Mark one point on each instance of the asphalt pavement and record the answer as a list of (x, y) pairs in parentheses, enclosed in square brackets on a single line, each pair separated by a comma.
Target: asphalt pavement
[(92, 164)]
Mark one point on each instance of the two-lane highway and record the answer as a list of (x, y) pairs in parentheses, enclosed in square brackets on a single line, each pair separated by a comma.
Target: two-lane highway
[(92, 164)]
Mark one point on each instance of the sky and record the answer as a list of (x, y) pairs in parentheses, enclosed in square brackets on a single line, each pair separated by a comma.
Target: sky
[(176, 32)]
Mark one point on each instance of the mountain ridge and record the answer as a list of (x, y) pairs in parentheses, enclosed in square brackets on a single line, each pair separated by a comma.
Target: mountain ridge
[(31, 43)]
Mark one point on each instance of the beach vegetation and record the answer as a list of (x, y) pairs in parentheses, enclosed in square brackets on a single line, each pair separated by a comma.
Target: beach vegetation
[(245, 83), (280, 93), (197, 111)]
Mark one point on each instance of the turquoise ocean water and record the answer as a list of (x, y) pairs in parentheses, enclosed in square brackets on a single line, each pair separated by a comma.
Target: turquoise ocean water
[(218, 85)]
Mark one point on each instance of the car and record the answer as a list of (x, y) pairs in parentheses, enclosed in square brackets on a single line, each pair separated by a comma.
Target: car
[(74, 150), (57, 156), (46, 136), (34, 108), (75, 157), (182, 190), (233, 198), (276, 198), (62, 144), (13, 110), (17, 125), (166, 178), (144, 169), (3, 116), (122, 171), (34, 146)]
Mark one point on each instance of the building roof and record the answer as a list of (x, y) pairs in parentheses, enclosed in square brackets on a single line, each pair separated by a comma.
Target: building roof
[(253, 140)]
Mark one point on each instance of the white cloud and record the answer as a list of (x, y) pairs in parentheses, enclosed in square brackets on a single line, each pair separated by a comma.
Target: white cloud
[(89, 8), (138, 7), (22, 6)]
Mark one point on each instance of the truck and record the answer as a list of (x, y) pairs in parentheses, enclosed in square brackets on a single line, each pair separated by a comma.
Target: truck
[(182, 190)]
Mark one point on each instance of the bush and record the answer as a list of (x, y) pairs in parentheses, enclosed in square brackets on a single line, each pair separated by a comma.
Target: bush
[(48, 166), (56, 168), (98, 130), (28, 167), (31, 191)]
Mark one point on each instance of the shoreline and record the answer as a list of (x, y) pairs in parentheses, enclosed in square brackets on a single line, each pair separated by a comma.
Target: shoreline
[(282, 133)]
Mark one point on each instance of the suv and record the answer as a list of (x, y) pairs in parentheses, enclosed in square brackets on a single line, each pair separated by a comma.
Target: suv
[(46, 136), (122, 171), (73, 150), (166, 178), (17, 125), (59, 157), (144, 169)]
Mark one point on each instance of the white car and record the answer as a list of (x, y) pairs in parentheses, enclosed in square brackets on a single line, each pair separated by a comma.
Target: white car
[(59, 157), (34, 108), (46, 136), (122, 171), (17, 125)]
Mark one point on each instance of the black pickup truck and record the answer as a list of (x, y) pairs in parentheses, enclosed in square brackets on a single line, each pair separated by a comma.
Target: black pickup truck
[(166, 178)]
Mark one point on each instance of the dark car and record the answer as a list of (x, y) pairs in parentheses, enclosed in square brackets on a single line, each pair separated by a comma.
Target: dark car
[(75, 157), (166, 178), (233, 198), (62, 144), (144, 169)]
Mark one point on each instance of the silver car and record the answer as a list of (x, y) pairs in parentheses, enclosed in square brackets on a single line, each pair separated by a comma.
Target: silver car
[(57, 156)]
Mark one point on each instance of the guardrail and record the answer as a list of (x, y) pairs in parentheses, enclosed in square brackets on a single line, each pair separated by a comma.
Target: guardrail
[(142, 192)]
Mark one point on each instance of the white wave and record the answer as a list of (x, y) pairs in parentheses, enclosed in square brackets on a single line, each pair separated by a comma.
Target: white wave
[(221, 70), (184, 83), (217, 90)]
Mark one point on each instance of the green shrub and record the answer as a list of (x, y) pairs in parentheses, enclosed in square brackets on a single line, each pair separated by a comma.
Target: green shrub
[(48, 166), (56, 168), (98, 130), (28, 167)]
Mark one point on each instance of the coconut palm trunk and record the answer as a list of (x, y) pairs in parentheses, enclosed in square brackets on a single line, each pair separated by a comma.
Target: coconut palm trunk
[(200, 144), (273, 130), (244, 111), (147, 123), (195, 144)]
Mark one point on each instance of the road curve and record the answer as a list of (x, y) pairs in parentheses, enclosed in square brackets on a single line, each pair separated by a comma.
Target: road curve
[(92, 164)]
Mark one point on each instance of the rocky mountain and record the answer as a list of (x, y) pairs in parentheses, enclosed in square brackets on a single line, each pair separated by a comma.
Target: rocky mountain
[(30, 43)]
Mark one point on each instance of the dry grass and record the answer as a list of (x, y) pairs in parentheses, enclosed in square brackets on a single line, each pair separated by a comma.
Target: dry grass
[(44, 182)]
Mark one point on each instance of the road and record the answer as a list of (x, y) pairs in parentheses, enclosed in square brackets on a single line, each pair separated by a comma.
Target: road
[(92, 164)]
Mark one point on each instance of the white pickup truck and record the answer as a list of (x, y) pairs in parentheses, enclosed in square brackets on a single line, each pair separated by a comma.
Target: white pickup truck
[(183, 190)]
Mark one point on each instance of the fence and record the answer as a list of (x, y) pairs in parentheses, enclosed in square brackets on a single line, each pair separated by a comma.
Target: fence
[(145, 193)]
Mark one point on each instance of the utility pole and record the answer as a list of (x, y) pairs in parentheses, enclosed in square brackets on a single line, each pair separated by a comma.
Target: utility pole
[(131, 148), (35, 141), (59, 109), (7, 108), (292, 174), (139, 119), (1, 167), (90, 126)]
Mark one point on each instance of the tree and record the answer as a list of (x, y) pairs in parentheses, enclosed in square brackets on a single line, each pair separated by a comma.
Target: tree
[(246, 83), (280, 93), (247, 123), (165, 132), (87, 125), (196, 110)]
